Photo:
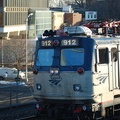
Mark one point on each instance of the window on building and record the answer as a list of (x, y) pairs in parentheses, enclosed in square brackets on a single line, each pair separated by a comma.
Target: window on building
[(91, 15), (88, 16), (95, 16)]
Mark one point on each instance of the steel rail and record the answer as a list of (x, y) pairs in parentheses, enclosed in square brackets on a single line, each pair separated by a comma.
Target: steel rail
[(14, 99), (27, 118)]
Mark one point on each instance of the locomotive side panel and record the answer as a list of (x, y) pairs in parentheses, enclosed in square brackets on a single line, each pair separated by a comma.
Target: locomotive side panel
[(106, 79)]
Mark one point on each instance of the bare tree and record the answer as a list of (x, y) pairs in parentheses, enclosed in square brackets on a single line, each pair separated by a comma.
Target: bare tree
[(113, 8), (107, 9), (87, 3), (79, 3), (15, 52)]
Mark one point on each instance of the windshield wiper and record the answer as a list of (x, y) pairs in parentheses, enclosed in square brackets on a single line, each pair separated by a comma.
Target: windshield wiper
[(69, 63), (55, 57)]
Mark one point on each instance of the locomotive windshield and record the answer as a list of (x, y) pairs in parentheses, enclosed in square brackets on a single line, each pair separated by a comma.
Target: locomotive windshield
[(72, 56), (68, 57), (45, 57)]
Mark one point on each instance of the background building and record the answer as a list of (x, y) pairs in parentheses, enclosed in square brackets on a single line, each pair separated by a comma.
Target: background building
[(73, 18), (13, 14), (44, 19), (15, 24), (39, 22), (57, 20)]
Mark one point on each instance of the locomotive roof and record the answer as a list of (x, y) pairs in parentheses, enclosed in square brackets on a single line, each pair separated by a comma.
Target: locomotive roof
[(98, 39), (107, 40)]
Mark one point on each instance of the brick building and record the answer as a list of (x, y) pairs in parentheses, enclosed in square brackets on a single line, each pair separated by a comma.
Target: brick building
[(73, 18)]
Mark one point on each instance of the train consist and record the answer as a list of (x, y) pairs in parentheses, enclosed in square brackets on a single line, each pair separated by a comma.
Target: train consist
[(77, 77)]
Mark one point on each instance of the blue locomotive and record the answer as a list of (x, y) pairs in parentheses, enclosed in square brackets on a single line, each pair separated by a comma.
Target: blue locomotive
[(77, 77)]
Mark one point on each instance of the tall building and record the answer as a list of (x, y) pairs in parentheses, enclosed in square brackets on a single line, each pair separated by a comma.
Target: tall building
[(13, 15), (40, 21)]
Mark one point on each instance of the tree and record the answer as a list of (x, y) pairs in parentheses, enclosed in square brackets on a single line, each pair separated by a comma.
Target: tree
[(107, 9), (84, 3), (79, 3), (15, 52)]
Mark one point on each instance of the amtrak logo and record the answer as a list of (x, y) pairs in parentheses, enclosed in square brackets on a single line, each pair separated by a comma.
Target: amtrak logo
[(54, 82), (102, 79)]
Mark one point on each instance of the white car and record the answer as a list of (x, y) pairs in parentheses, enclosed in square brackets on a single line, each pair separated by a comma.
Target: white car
[(8, 73), (21, 75)]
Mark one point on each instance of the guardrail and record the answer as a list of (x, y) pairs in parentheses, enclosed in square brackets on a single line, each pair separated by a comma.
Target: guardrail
[(15, 95)]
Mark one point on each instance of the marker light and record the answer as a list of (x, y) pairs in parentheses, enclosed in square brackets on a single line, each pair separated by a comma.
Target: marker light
[(77, 110), (80, 70), (55, 42), (35, 71)]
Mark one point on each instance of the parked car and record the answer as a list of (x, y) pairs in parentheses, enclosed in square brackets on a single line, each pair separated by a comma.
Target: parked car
[(10, 73)]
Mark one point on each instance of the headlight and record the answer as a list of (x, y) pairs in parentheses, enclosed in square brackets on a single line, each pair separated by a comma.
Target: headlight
[(38, 86), (51, 71), (37, 106), (54, 71), (84, 107)]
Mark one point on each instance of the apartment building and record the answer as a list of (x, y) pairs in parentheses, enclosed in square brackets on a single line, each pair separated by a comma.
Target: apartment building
[(13, 15)]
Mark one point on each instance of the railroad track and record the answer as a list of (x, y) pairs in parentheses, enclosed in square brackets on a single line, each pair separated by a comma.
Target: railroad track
[(15, 113), (11, 95), (15, 102), (35, 118), (28, 118)]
